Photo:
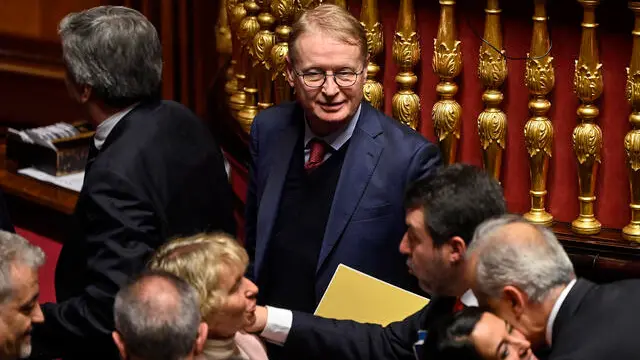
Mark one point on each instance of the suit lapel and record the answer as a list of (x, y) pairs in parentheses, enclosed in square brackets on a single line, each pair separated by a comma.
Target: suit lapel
[(359, 164), (571, 304), (270, 200)]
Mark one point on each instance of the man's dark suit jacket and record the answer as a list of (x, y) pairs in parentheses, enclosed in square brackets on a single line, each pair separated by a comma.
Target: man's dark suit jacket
[(366, 220), (313, 337), (159, 175), (598, 322)]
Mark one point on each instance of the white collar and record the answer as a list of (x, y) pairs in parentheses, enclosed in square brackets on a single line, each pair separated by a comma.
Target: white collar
[(469, 299), (337, 139), (104, 128), (556, 309)]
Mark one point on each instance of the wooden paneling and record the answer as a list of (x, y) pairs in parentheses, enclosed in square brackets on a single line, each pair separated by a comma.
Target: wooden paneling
[(31, 71)]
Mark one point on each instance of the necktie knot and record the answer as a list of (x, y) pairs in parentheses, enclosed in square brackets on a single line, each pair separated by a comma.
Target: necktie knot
[(317, 151)]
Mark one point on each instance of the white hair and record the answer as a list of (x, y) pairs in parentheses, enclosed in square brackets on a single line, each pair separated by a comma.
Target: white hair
[(535, 267), (14, 249)]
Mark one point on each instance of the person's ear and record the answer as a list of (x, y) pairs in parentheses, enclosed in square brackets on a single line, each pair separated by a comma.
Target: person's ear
[(290, 72), (203, 330), (458, 249), (85, 93), (516, 300), (117, 339)]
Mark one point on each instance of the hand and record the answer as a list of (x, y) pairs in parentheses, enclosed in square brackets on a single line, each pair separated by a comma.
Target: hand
[(257, 326)]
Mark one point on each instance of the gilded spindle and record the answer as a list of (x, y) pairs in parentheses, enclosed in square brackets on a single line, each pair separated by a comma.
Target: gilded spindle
[(632, 139), (406, 53), (237, 13), (492, 71), (261, 54), (587, 136), (249, 27), (447, 63), (538, 131), (373, 91), (284, 11)]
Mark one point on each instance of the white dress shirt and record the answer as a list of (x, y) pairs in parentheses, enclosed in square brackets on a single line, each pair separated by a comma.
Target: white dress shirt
[(104, 128), (556, 309), (335, 140)]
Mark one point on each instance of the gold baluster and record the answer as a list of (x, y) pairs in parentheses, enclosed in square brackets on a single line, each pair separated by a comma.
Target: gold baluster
[(237, 13), (406, 53), (373, 91), (224, 46), (302, 5), (261, 52), (284, 11), (587, 136), (492, 71), (447, 63), (632, 140), (248, 29), (538, 131)]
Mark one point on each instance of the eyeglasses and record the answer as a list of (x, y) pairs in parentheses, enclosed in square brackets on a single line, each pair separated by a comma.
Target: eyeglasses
[(316, 78)]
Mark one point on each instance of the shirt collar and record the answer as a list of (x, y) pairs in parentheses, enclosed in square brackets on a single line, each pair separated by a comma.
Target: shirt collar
[(469, 299), (556, 309), (337, 139), (104, 128)]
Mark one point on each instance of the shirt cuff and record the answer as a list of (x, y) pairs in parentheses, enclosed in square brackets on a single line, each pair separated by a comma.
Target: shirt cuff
[(278, 325)]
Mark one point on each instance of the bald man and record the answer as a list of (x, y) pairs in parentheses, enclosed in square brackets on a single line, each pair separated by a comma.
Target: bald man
[(158, 317), (522, 272)]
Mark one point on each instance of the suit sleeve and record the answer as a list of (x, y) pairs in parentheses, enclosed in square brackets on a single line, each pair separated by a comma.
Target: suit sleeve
[(425, 160), (251, 207), (314, 337), (122, 232)]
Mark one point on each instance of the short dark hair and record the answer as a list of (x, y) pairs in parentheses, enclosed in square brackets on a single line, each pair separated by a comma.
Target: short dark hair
[(157, 329), (455, 200), (450, 336)]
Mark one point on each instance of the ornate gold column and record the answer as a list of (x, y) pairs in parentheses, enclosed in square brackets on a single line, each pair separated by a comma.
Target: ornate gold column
[(587, 136), (248, 29), (341, 3), (224, 46), (447, 63), (284, 11), (261, 54), (492, 71), (237, 100), (406, 53), (373, 91), (632, 140), (538, 131)]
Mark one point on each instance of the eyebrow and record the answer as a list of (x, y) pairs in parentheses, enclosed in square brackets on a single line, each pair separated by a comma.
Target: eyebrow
[(33, 299)]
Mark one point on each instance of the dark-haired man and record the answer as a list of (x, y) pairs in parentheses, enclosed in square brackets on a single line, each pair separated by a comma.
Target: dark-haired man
[(442, 212)]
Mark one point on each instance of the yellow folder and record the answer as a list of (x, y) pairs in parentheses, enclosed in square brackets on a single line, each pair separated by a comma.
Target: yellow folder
[(354, 295)]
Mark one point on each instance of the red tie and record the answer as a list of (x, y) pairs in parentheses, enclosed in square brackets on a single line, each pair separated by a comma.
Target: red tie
[(459, 306), (318, 149)]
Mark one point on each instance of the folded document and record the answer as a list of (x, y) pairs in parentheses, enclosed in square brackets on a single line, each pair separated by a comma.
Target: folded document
[(353, 295)]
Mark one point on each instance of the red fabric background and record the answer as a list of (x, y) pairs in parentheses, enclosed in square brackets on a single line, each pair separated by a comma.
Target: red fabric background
[(616, 23)]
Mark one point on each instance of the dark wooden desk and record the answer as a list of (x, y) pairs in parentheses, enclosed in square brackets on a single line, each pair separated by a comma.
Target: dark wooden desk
[(36, 205), (34, 191)]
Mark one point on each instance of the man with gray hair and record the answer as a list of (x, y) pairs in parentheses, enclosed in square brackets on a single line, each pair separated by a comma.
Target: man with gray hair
[(522, 272), (19, 291), (154, 172), (157, 317)]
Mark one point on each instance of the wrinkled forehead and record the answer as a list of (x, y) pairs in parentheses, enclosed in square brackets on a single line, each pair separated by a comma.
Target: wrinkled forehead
[(327, 49)]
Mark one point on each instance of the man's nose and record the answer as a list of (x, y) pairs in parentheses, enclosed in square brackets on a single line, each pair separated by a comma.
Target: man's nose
[(37, 316), (404, 246), (330, 88)]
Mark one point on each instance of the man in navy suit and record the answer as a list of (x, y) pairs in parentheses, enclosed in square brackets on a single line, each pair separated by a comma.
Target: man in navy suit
[(328, 172)]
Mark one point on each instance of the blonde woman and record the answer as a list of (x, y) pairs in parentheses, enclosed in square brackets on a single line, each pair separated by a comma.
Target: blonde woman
[(214, 264)]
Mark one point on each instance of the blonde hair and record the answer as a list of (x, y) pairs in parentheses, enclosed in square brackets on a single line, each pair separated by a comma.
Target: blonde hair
[(331, 20), (202, 260)]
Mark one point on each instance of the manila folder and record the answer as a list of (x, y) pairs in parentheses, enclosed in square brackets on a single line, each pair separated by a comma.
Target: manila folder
[(353, 295)]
